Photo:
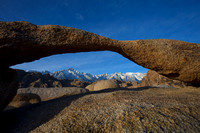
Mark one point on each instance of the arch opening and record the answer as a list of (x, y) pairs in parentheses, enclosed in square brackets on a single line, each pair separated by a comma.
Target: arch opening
[(89, 62)]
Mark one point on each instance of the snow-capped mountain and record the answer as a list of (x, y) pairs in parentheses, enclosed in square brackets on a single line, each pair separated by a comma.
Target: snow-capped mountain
[(74, 74)]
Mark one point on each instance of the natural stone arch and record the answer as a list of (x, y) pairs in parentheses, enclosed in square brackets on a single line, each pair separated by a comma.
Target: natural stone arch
[(24, 42)]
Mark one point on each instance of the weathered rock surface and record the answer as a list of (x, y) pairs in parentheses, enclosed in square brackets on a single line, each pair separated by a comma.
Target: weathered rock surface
[(103, 84), (52, 93), (156, 80), (174, 59), (127, 84), (23, 99), (26, 96), (74, 83), (130, 110), (24, 42)]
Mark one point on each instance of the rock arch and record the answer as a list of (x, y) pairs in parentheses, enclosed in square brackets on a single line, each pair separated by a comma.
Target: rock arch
[(24, 42)]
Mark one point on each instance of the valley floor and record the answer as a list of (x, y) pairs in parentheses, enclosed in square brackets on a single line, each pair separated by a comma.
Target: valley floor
[(144, 109)]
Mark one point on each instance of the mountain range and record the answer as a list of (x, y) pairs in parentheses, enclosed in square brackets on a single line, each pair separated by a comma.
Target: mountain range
[(74, 74)]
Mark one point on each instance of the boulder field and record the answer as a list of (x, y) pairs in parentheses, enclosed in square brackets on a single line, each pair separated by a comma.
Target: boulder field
[(25, 42)]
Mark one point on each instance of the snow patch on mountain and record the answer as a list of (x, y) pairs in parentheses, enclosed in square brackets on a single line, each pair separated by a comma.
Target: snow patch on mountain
[(74, 74)]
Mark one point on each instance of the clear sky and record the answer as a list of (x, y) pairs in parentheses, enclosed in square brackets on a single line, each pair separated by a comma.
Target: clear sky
[(116, 19)]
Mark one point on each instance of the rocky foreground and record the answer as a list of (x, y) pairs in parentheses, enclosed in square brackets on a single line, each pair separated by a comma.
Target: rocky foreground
[(142, 109)]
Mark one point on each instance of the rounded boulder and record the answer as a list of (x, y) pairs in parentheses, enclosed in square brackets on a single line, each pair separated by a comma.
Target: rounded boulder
[(105, 84)]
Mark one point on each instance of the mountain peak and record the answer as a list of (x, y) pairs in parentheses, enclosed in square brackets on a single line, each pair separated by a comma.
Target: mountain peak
[(71, 73), (71, 69)]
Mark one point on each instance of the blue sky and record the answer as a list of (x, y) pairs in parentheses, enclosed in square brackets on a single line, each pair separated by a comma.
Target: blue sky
[(116, 19)]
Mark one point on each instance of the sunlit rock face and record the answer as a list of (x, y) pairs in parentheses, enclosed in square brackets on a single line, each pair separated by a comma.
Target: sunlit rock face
[(25, 42), (154, 79), (102, 84)]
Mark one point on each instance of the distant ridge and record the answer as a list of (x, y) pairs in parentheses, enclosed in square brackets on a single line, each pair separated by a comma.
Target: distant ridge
[(74, 74)]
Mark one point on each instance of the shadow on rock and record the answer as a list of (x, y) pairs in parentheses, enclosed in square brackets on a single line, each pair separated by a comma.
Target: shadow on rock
[(27, 118)]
